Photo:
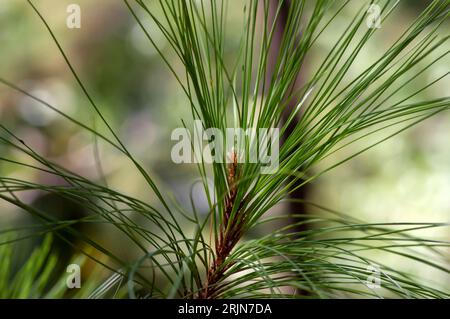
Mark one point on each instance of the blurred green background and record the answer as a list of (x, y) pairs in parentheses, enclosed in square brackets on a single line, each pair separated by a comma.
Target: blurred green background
[(406, 178)]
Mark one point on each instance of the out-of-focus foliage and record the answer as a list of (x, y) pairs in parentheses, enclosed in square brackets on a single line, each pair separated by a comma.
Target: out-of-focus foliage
[(112, 173)]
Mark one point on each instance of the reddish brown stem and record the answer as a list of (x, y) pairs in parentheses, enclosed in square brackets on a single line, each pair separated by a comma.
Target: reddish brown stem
[(229, 235)]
